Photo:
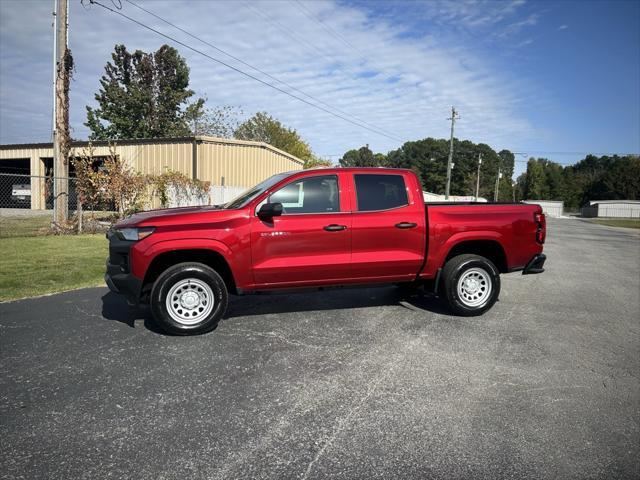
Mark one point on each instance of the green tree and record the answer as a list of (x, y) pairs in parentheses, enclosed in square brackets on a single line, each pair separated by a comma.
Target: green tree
[(428, 158), (620, 181), (465, 161), (555, 180), (535, 182), (519, 187), (316, 162), (141, 95), (506, 192), (220, 122), (363, 157), (573, 189), (592, 178), (264, 128)]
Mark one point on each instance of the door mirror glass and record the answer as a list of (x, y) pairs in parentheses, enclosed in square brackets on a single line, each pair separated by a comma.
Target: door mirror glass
[(270, 210)]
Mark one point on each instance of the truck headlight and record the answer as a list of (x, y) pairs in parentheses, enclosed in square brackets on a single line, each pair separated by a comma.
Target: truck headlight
[(134, 234)]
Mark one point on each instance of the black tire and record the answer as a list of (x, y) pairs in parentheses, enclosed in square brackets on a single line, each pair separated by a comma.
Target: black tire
[(472, 302), (197, 277)]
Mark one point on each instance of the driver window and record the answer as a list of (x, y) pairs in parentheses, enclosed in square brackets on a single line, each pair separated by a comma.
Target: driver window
[(309, 195)]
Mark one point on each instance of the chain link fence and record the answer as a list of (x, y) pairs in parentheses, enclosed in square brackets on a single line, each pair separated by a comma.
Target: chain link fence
[(21, 191), (33, 192), (27, 205)]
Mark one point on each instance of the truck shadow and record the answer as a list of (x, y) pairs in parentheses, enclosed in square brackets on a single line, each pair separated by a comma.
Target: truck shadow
[(331, 299), (115, 307)]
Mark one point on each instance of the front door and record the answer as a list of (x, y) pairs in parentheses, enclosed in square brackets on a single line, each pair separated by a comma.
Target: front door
[(310, 242)]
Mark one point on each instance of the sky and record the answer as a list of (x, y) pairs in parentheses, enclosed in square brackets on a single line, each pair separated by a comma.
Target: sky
[(545, 79)]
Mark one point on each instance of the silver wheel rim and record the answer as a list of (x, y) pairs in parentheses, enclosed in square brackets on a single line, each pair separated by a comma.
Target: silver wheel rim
[(474, 287), (190, 301)]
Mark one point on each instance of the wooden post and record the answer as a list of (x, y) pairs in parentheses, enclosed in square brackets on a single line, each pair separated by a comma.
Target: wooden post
[(61, 140)]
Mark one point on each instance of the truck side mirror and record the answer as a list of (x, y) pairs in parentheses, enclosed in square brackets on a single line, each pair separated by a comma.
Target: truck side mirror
[(270, 210)]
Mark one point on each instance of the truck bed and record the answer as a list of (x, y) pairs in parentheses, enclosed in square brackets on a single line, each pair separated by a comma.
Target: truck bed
[(504, 229)]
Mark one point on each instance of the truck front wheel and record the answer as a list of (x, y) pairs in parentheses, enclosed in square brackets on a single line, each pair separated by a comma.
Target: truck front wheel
[(471, 284), (188, 299)]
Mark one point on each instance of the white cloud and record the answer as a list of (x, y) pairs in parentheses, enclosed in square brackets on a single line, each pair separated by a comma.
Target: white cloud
[(563, 27), (471, 13), (516, 27), (524, 43), (404, 85)]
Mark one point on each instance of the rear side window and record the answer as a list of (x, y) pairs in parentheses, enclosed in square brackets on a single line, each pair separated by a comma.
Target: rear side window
[(380, 192)]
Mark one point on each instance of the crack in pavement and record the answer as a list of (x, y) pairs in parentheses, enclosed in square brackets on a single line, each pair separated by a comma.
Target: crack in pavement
[(355, 407)]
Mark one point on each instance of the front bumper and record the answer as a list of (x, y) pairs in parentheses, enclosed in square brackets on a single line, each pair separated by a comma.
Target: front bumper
[(118, 276), (535, 265), (123, 283)]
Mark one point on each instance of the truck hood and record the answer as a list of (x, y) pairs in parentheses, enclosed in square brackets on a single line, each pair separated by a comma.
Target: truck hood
[(167, 216)]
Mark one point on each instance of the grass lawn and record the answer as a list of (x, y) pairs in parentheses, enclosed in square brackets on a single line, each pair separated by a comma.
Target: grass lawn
[(618, 222), (24, 226), (36, 265), (34, 225)]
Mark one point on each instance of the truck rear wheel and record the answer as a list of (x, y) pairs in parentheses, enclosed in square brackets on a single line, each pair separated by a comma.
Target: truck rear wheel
[(471, 284), (188, 299)]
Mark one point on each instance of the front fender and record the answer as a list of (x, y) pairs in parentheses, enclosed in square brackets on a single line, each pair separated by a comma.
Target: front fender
[(142, 257)]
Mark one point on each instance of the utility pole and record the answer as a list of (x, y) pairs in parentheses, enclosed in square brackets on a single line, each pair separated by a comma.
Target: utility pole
[(62, 68), (449, 165), (495, 197), (478, 176)]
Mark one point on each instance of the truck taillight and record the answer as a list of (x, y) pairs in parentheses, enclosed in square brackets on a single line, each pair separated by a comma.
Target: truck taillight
[(541, 230)]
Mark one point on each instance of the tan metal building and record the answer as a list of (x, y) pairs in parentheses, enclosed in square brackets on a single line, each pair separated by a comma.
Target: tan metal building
[(226, 162)]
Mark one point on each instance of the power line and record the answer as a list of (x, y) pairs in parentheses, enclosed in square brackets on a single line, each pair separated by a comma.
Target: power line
[(242, 72), (532, 151), (377, 129), (525, 151), (295, 38), (560, 163), (287, 31), (331, 31)]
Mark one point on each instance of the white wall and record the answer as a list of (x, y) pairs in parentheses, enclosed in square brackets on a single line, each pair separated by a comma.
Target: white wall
[(217, 195), (551, 208), (619, 210), (221, 195), (434, 197)]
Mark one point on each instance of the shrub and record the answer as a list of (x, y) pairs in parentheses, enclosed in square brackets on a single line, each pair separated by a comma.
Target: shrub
[(176, 189)]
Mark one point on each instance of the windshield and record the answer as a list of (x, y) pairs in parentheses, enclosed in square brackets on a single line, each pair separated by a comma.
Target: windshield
[(253, 192)]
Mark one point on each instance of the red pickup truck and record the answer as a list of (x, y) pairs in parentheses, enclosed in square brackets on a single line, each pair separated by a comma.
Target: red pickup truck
[(318, 228)]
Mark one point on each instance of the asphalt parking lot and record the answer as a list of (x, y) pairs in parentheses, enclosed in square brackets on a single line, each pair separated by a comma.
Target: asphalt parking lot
[(344, 384)]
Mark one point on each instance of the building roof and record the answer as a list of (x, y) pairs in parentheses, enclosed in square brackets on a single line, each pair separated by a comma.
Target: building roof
[(139, 141)]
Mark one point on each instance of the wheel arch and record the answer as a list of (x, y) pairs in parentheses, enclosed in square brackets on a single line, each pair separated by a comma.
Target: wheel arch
[(490, 249), (208, 257)]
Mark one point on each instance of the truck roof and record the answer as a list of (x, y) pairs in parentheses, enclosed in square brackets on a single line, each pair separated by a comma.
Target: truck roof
[(357, 169)]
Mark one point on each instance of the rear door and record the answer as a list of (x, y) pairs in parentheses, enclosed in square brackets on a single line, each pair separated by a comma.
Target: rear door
[(310, 242), (388, 238)]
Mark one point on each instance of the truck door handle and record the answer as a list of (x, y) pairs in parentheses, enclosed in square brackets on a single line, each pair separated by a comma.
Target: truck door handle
[(335, 228), (406, 225)]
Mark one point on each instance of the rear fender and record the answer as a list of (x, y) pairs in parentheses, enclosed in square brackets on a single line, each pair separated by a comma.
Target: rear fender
[(438, 252)]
